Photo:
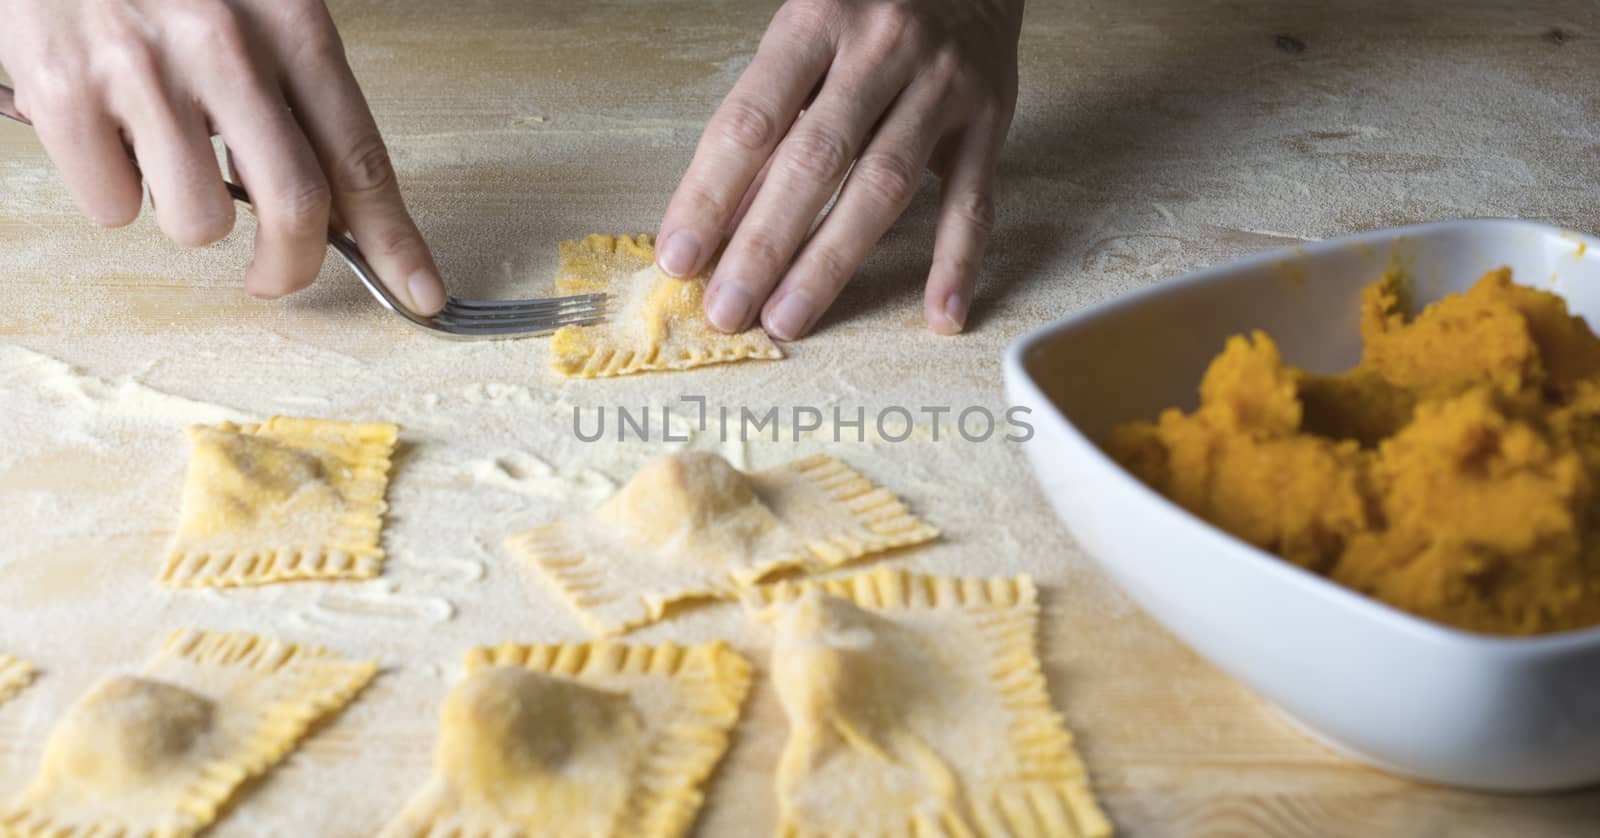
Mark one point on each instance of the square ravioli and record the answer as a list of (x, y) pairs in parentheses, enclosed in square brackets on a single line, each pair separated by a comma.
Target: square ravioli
[(162, 752), (655, 321), (15, 675), (917, 706), (590, 739), (692, 526), (290, 499)]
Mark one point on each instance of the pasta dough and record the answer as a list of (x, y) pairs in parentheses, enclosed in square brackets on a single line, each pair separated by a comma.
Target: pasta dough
[(160, 753), (287, 500), (655, 321), (579, 740), (14, 676), (692, 526), (917, 706)]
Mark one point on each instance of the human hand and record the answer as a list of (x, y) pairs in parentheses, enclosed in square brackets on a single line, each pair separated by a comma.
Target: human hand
[(159, 77), (873, 89)]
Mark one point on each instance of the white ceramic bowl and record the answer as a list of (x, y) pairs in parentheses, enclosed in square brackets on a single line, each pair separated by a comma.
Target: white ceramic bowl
[(1391, 689)]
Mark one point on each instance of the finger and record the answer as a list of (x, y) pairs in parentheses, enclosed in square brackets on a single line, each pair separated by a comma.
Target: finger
[(878, 189), (966, 220), (85, 144), (741, 137), (750, 194), (748, 199), (289, 194), (366, 193), (805, 173), (335, 223), (269, 153), (169, 138)]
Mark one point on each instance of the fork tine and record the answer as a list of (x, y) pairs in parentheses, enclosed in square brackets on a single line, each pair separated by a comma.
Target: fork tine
[(533, 326), (523, 308), (458, 317), (493, 304), (448, 316), (453, 318), (498, 306)]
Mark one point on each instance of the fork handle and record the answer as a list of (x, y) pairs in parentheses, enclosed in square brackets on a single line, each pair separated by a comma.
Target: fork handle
[(344, 245)]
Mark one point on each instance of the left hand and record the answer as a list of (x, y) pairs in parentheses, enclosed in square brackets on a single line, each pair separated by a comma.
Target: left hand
[(899, 86)]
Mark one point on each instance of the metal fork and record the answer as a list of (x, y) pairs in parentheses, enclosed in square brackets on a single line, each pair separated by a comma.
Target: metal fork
[(459, 319)]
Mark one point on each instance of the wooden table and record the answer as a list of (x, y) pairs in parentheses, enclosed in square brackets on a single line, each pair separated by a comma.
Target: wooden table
[(1152, 138)]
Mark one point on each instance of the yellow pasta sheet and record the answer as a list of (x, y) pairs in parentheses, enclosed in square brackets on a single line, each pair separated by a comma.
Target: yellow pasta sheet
[(590, 739), (692, 526), (917, 706), (290, 499), (654, 321), (162, 752)]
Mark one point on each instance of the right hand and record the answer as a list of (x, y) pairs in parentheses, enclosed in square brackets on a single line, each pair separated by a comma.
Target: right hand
[(98, 77), (854, 99)]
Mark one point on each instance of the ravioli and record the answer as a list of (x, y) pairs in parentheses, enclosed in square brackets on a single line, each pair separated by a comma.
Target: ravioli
[(917, 706), (582, 740), (163, 752), (290, 499), (15, 675), (655, 320), (692, 526)]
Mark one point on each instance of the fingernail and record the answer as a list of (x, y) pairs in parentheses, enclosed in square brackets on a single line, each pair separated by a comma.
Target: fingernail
[(790, 316), (679, 253), (427, 291), (955, 310), (730, 307)]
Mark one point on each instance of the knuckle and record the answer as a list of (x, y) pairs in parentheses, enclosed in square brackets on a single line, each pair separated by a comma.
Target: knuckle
[(957, 82), (829, 271), (820, 153), (806, 18), (746, 126), (394, 238), (366, 167), (894, 28), (304, 209), (215, 25), (52, 87), (312, 31), (948, 68), (993, 98), (976, 210), (705, 202), (760, 247), (889, 179), (964, 267), (128, 58), (322, 48)]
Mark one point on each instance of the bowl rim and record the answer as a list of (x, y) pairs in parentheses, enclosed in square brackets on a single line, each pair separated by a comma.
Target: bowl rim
[(1018, 374)]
